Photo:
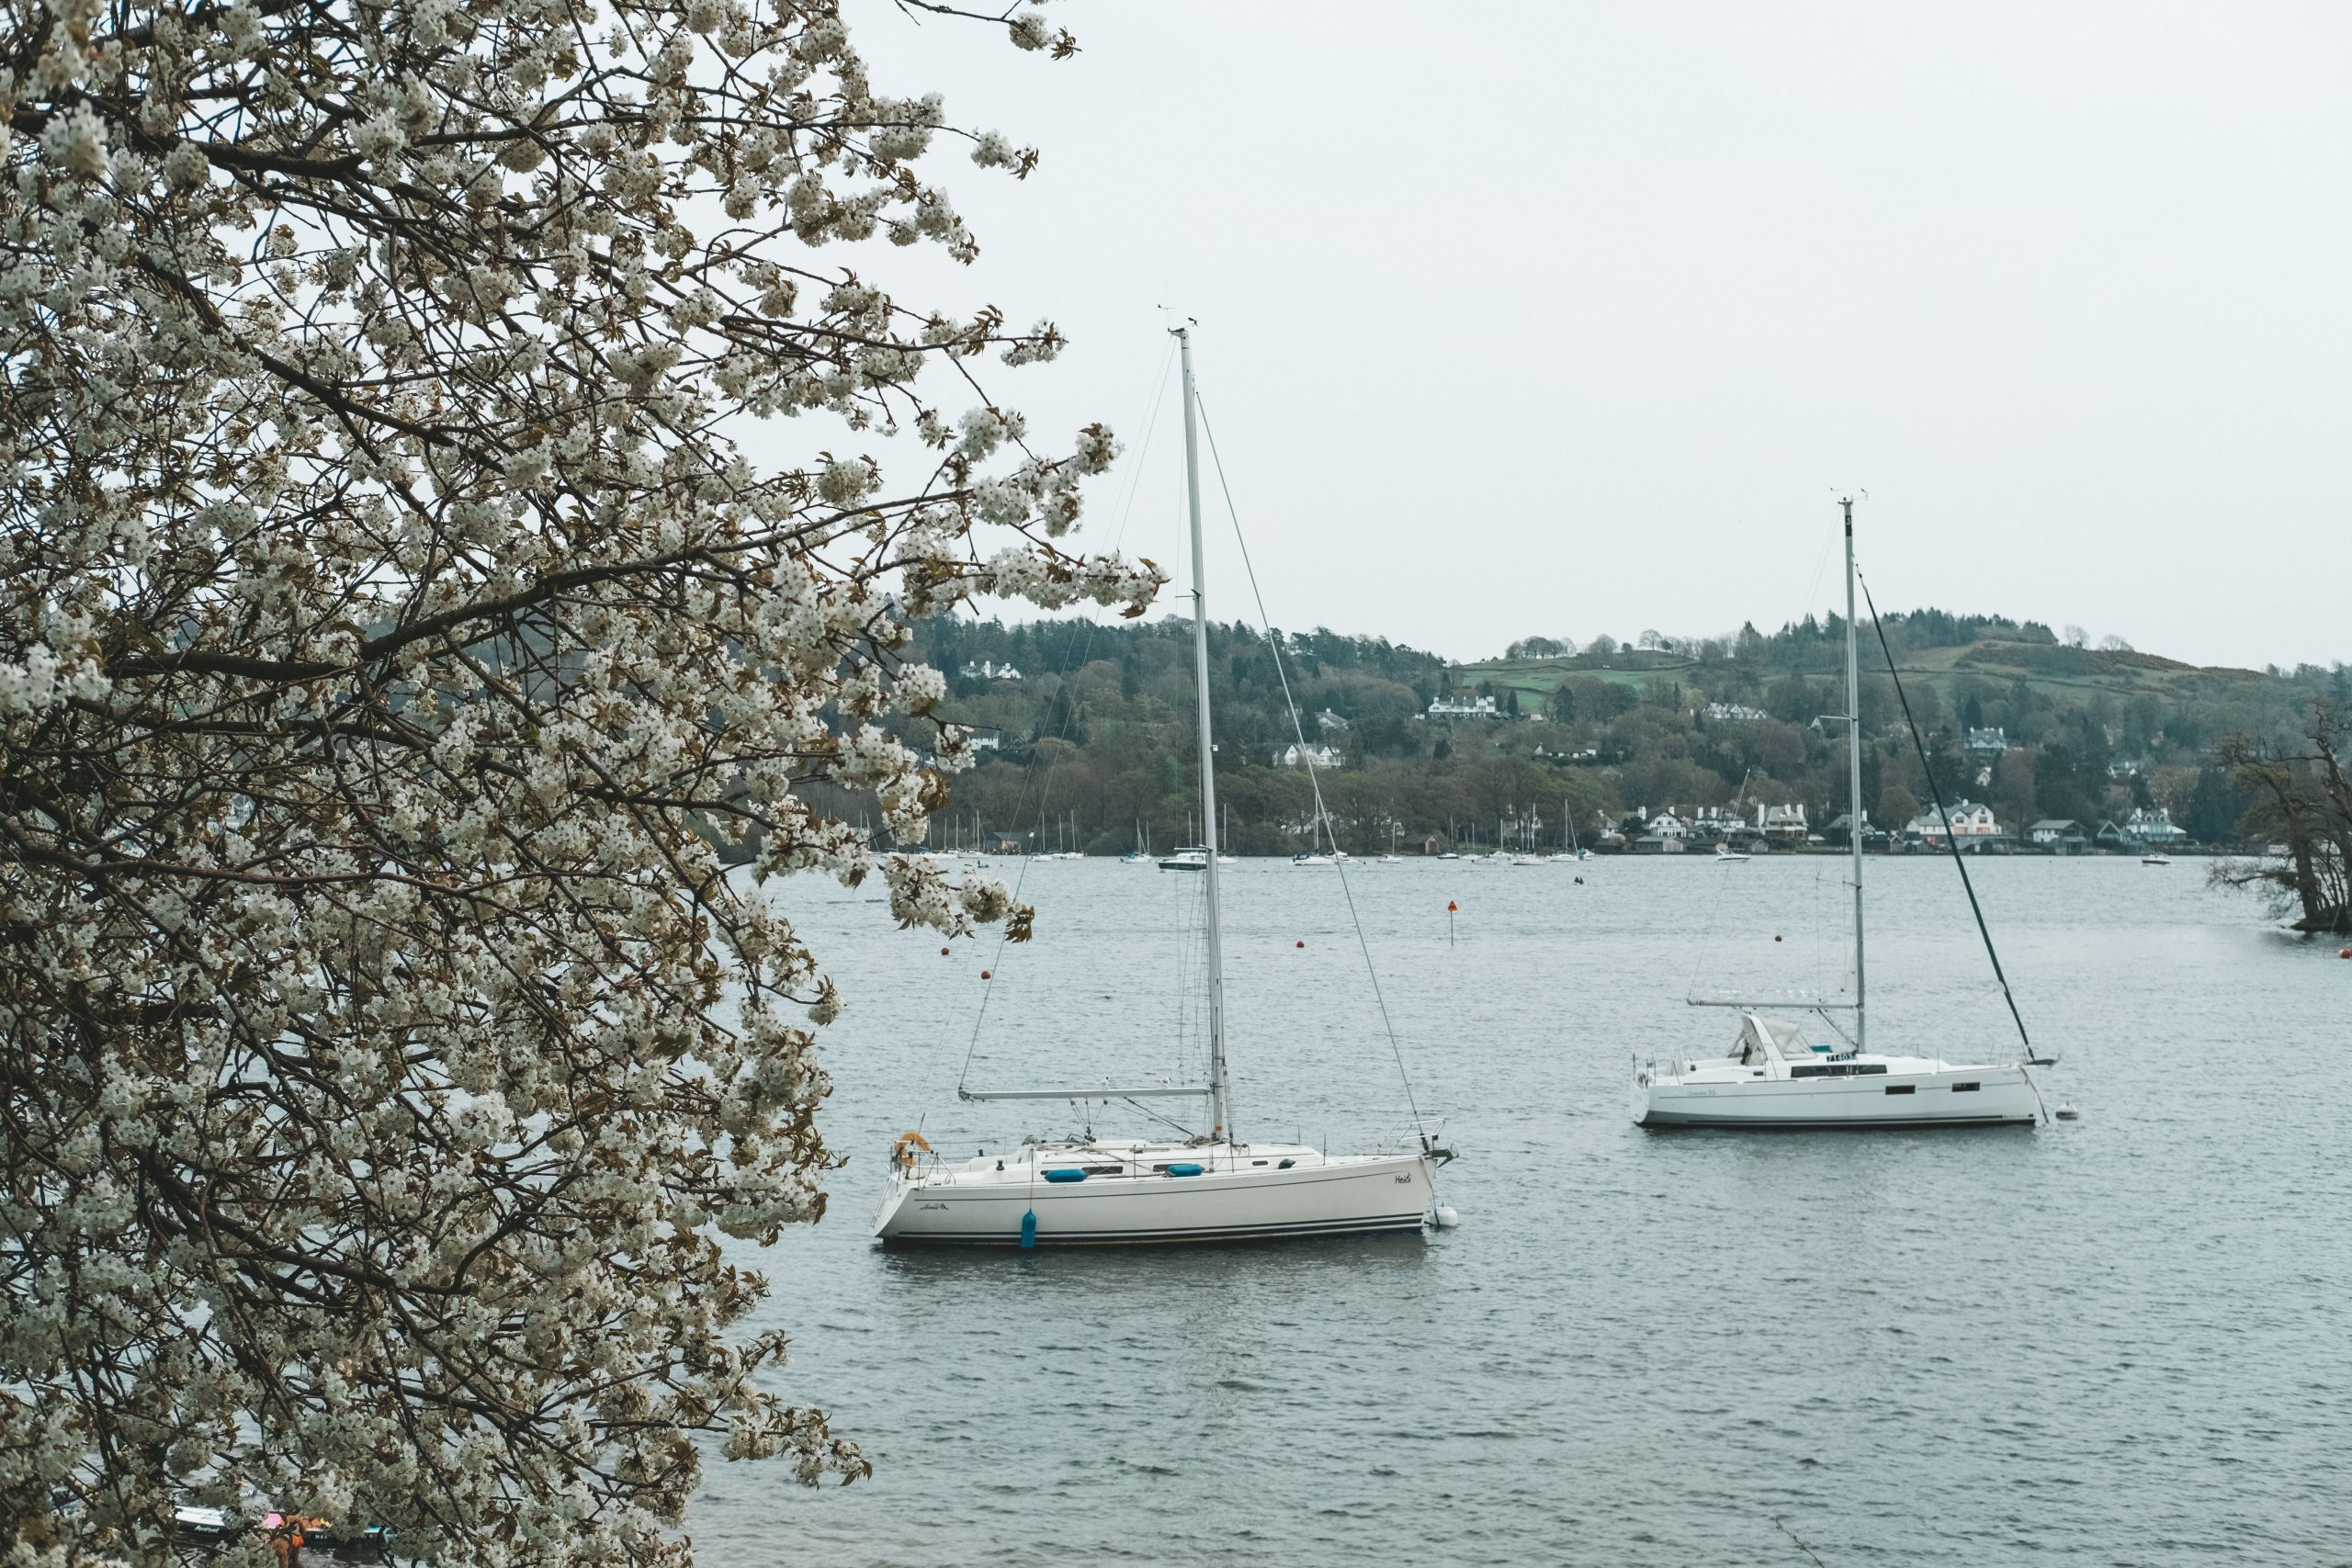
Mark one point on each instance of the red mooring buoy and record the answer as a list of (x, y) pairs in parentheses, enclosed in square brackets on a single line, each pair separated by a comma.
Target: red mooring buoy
[(985, 974), (943, 952), (2343, 953), (1776, 936), (1302, 942), (1450, 906)]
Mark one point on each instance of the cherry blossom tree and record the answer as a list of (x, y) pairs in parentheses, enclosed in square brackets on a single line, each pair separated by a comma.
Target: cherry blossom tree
[(400, 630)]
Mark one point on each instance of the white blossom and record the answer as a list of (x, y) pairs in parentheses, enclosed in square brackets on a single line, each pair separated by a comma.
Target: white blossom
[(401, 636)]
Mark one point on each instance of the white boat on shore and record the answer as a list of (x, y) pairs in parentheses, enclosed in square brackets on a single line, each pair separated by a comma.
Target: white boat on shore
[(1210, 1187)]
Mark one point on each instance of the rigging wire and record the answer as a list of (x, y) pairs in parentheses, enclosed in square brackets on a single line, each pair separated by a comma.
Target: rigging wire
[(1070, 711), (1322, 812), (1935, 792), (1799, 1540)]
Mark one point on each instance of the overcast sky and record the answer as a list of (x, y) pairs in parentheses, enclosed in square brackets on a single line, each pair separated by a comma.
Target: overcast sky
[(1567, 318)]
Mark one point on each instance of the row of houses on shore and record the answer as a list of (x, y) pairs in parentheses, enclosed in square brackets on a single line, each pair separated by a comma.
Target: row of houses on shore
[(1967, 824)]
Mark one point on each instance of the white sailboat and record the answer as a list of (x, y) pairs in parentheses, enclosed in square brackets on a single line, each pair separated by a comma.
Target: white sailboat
[(1773, 1078), (1213, 1187)]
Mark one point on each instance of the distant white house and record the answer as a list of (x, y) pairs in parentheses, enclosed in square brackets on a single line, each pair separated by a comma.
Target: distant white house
[(986, 740), (1296, 756), (1476, 707), (1782, 822), (1735, 713), (2055, 830), (1667, 825), (1971, 825), (987, 670), (1717, 819), (1327, 721), (2152, 825), (1987, 742)]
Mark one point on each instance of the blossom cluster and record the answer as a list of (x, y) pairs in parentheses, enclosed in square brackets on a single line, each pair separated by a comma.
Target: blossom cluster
[(400, 638)]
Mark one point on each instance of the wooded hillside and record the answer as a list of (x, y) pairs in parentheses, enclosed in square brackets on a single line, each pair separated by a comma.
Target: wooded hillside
[(1095, 741)]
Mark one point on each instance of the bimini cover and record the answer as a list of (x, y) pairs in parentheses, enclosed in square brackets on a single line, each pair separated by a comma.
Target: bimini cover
[(1778, 1036)]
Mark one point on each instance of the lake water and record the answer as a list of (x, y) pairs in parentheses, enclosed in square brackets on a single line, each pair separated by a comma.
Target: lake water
[(2125, 1339)]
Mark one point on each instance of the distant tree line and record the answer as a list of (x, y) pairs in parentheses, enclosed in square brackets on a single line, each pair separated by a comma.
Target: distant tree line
[(1094, 745)]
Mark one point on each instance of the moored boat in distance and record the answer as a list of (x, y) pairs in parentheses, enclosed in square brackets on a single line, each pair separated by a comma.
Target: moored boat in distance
[(1773, 1078)]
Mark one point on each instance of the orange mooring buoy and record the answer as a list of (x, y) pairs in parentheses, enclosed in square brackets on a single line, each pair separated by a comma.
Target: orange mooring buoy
[(985, 974), (2343, 953), (1450, 906)]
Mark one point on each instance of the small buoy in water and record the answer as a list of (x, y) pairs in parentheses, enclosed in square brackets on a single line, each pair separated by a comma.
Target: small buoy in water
[(985, 974), (2343, 953), (943, 952), (1302, 942), (2068, 1113), (1776, 936), (1452, 908), (1447, 1220)]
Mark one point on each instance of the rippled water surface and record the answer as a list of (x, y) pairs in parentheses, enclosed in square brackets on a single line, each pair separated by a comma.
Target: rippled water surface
[(2124, 1339)]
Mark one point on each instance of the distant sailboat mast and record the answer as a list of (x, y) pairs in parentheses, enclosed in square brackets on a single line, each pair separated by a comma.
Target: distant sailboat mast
[(1854, 765), (1217, 1086)]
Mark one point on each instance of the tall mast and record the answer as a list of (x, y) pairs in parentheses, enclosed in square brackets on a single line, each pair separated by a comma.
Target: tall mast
[(1854, 765), (1208, 757)]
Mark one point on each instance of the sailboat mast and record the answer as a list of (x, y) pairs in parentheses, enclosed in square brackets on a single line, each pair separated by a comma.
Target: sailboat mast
[(1208, 756), (1854, 765)]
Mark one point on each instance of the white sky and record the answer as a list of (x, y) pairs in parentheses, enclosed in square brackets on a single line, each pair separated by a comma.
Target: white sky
[(1565, 317)]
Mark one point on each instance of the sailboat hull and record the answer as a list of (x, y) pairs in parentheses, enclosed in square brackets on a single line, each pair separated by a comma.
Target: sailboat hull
[(1230, 1200), (1969, 1097)]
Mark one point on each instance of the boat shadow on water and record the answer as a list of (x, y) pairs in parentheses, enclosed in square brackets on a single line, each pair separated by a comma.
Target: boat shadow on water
[(1225, 1262)]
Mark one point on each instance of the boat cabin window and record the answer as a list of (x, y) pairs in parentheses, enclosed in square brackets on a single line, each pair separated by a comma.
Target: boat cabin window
[(1837, 1069), (1902, 1089), (1963, 1089)]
